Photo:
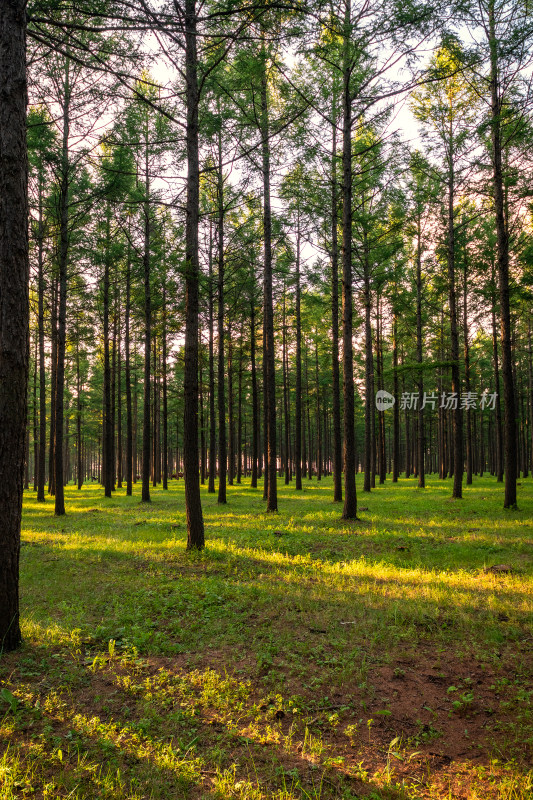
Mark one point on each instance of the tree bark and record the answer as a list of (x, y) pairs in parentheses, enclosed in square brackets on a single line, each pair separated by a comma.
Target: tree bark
[(14, 307), (419, 344), (212, 423), (335, 372), (127, 377), (107, 432), (510, 450), (298, 388), (193, 504), (62, 303), (42, 364), (457, 414), (146, 443), (270, 366), (222, 446), (350, 496)]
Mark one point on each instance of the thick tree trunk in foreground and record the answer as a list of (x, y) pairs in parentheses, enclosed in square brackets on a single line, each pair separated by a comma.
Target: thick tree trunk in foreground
[(14, 313), (193, 504)]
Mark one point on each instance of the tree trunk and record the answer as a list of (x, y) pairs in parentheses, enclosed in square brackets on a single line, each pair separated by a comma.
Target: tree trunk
[(396, 407), (146, 444), (42, 364), (212, 423), (335, 372), (62, 303), (127, 376), (467, 371), (193, 504), (14, 311), (298, 388), (419, 344), (107, 432), (270, 366), (165, 387), (350, 496), (78, 414), (255, 398), (457, 414), (510, 468), (222, 446)]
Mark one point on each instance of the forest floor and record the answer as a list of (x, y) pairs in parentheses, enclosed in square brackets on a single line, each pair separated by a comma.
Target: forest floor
[(299, 657)]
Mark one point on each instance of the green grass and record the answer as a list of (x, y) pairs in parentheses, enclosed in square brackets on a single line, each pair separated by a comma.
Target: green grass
[(299, 656)]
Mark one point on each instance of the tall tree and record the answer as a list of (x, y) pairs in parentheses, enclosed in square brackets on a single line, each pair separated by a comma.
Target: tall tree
[(14, 311)]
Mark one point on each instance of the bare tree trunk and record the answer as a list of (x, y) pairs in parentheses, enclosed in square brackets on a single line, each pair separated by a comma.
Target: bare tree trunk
[(510, 460), (107, 438), (127, 376), (255, 398), (270, 365), (369, 381), (78, 414), (231, 416), (146, 444), (419, 344), (239, 410), (42, 363), (457, 415), (335, 374), (165, 387), (62, 304), (298, 388), (285, 394), (193, 504), (350, 496), (396, 407), (53, 373), (14, 313), (222, 446), (467, 372), (212, 423), (35, 415), (119, 392), (318, 421)]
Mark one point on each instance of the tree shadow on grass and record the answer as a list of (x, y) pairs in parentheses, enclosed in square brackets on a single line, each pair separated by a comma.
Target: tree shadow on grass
[(124, 728)]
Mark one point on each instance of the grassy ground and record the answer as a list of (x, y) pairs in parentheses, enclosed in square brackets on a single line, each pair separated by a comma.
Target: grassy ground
[(299, 656)]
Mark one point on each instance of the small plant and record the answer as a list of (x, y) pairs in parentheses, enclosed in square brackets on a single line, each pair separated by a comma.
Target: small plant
[(351, 731), (9, 698), (399, 673), (464, 704)]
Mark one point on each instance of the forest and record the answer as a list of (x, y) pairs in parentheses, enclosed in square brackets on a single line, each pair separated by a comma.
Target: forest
[(266, 399)]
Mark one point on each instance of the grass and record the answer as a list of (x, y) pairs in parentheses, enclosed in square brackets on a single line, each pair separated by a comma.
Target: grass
[(300, 657)]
